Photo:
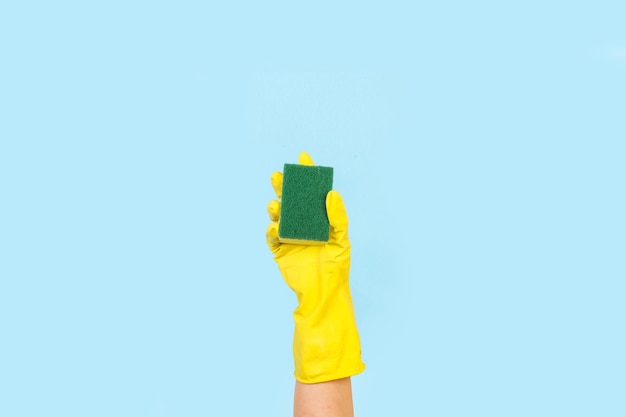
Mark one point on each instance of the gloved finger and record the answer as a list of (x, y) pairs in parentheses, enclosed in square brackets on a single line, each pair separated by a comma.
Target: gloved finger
[(271, 236), (277, 183), (273, 209), (337, 216), (305, 159)]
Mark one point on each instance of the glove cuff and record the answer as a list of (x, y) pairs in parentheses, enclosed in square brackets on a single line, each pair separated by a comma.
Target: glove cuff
[(326, 343)]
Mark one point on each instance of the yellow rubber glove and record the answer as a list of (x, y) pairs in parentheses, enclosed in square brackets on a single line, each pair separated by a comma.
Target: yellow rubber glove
[(326, 342)]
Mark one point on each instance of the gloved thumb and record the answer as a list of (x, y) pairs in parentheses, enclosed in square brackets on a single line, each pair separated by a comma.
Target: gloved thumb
[(337, 216)]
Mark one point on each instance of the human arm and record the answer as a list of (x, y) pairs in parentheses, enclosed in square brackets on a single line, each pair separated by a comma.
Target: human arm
[(324, 399), (326, 344)]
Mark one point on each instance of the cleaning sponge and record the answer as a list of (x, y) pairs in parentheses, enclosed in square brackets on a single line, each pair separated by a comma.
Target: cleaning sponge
[(303, 217)]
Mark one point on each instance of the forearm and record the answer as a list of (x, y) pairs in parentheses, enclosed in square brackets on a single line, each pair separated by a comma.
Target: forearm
[(326, 354), (326, 340), (325, 399)]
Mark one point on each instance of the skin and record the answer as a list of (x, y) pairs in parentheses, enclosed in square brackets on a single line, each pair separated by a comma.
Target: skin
[(325, 399)]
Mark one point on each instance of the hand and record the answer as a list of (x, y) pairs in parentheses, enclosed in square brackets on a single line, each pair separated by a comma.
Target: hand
[(316, 260), (326, 340)]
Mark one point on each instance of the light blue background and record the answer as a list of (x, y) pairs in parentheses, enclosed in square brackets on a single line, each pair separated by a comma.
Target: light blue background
[(479, 147)]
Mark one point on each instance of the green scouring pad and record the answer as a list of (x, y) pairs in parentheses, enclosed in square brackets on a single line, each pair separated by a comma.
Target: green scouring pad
[(303, 217)]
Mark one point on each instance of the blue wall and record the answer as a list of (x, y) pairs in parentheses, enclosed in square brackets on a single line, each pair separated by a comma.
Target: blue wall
[(479, 149)]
